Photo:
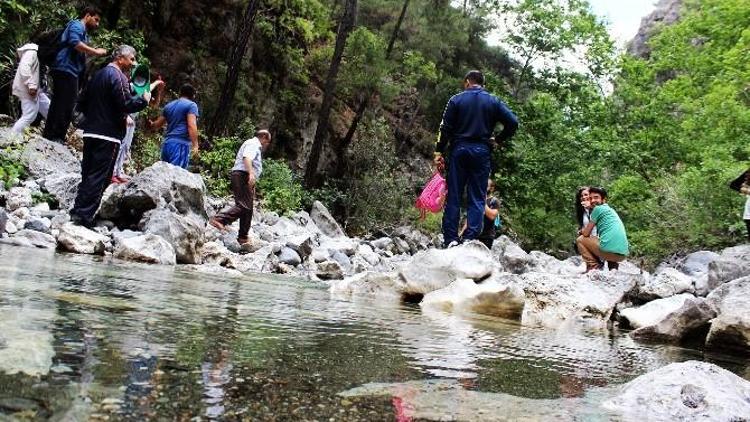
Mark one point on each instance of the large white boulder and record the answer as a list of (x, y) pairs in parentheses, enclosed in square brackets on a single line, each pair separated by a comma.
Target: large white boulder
[(668, 282), (689, 322), (325, 222), (184, 233), (511, 256), (686, 391), (490, 297), (732, 264), (730, 330), (436, 268), (78, 239), (655, 311), (554, 300), (148, 248), (160, 186)]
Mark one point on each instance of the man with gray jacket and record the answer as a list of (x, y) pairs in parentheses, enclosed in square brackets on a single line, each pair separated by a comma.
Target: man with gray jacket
[(27, 87)]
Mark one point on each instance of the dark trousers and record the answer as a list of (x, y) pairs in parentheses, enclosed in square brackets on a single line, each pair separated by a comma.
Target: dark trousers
[(96, 172), (747, 223), (243, 204), (64, 96), (469, 168)]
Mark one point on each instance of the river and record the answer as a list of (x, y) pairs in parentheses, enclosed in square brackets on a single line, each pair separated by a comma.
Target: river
[(90, 338)]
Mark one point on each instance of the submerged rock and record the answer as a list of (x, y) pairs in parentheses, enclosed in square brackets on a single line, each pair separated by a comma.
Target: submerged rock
[(490, 297), (683, 391), (730, 330), (148, 248)]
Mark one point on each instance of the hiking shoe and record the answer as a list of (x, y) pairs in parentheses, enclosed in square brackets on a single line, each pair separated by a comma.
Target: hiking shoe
[(217, 224), (613, 265), (452, 244)]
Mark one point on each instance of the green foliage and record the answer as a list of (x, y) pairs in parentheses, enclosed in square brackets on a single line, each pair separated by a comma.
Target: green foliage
[(279, 189), (11, 171), (216, 163)]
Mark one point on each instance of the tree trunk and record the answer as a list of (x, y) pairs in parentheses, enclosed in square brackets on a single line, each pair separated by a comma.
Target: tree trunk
[(217, 123), (321, 132), (344, 145)]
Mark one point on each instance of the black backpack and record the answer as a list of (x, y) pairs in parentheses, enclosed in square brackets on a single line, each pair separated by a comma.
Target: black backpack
[(50, 43)]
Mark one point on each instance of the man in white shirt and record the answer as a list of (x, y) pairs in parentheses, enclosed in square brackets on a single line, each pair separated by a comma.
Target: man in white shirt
[(246, 170)]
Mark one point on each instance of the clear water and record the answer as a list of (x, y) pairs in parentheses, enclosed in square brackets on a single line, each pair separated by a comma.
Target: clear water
[(85, 338)]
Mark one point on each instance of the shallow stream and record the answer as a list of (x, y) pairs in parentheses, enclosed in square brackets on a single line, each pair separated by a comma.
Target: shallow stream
[(86, 338)]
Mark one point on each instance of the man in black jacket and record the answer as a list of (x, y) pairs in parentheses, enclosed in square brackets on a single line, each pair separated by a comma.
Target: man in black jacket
[(107, 103)]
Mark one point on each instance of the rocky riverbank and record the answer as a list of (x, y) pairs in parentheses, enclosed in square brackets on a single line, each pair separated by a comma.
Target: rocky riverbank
[(160, 216)]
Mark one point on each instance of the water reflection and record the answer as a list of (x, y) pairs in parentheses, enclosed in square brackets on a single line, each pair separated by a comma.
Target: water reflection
[(90, 338)]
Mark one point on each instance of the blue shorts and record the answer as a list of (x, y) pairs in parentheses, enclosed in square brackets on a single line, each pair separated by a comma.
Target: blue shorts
[(176, 152)]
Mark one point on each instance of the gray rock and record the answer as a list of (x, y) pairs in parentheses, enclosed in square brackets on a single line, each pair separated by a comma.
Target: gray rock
[(18, 197), (46, 159), (490, 297), (654, 312), (160, 186), (341, 258), (342, 244), (511, 256), (148, 248), (554, 300), (3, 221), (270, 218), (688, 322), (733, 263), (325, 222), (402, 246), (64, 187), (289, 256), (184, 234), (668, 282), (320, 255), (386, 285), (302, 244), (437, 268), (38, 239), (329, 270), (730, 330), (38, 224), (686, 391), (697, 262), (10, 228), (366, 252), (78, 239), (384, 243), (666, 12)]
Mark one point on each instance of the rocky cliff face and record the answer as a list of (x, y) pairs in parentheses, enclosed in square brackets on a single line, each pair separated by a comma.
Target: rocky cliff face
[(666, 13)]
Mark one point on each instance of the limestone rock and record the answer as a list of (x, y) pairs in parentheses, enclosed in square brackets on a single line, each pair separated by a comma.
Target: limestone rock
[(325, 222), (732, 264), (45, 159), (64, 187), (490, 297), (369, 284), (384, 243), (38, 224), (18, 197), (655, 311), (289, 256), (437, 268), (160, 186), (148, 248), (78, 239), (697, 262), (511, 256), (667, 283), (666, 12), (690, 321), (302, 244), (3, 221), (686, 391), (730, 330), (329, 270), (366, 252), (184, 234), (554, 300), (38, 239), (343, 244)]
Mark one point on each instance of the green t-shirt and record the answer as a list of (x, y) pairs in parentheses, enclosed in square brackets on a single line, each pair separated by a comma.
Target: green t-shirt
[(612, 237)]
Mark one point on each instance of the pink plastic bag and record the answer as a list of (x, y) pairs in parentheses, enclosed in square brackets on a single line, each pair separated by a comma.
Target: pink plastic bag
[(432, 198)]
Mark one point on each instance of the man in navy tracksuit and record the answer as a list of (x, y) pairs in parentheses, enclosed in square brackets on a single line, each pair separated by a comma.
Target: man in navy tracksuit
[(468, 122), (107, 103)]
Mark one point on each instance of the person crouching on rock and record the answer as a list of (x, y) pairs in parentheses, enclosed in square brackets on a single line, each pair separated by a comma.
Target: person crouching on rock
[(247, 168), (612, 243), (107, 103)]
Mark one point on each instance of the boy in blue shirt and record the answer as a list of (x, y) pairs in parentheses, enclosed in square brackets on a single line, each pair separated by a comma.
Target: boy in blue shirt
[(181, 139)]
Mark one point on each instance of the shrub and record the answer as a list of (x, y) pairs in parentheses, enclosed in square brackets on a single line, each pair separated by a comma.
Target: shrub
[(279, 189)]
